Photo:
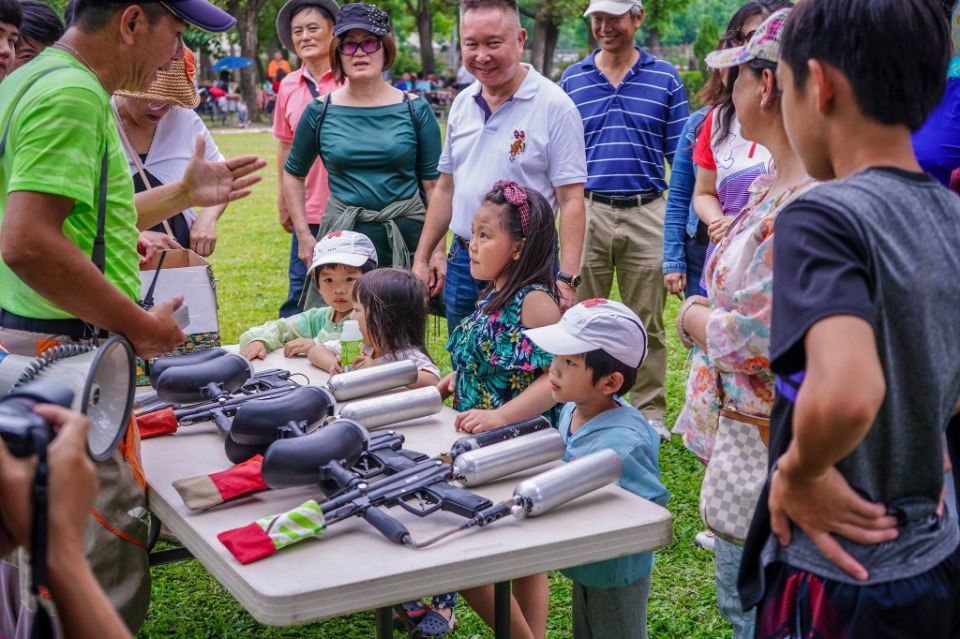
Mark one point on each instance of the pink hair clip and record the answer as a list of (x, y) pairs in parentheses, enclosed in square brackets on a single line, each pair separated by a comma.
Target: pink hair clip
[(516, 195)]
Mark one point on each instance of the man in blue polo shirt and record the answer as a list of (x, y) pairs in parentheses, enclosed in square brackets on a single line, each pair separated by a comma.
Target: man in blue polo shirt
[(633, 107)]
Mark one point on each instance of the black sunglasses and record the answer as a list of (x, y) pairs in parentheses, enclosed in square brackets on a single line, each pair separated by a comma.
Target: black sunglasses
[(367, 46), (739, 38)]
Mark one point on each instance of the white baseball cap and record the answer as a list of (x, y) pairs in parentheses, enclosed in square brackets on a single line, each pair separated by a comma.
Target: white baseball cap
[(613, 7), (596, 324), (343, 247)]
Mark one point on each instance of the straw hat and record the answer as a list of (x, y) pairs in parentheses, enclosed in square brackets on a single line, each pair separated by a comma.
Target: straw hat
[(173, 86)]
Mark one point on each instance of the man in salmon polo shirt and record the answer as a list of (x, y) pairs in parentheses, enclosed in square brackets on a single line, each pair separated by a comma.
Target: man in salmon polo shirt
[(306, 28)]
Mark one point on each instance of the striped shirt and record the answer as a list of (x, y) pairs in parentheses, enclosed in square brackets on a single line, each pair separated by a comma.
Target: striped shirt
[(630, 129)]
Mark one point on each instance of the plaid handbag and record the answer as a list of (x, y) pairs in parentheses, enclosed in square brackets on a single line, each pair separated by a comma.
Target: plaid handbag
[(736, 472)]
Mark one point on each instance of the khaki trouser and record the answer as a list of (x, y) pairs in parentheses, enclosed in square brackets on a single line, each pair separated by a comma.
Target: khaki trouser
[(629, 243), (116, 532)]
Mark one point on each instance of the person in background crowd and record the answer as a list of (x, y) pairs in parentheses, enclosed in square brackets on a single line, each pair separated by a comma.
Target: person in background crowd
[(937, 147), (728, 164), (278, 69), (11, 18), (464, 77), (634, 108), (54, 286), (159, 131), (306, 28), (684, 235), (41, 27), (513, 124), (731, 332), (937, 143), (380, 145)]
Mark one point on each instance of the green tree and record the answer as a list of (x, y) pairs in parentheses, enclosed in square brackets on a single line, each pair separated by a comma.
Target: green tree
[(658, 20), (706, 42), (548, 16), (247, 13)]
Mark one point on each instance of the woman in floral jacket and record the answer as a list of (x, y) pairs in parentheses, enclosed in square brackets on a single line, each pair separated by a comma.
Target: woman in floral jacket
[(730, 333)]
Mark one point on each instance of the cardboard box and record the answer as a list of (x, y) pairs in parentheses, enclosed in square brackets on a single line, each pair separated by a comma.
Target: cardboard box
[(184, 273)]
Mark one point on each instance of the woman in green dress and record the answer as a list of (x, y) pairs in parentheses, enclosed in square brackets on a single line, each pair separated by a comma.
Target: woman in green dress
[(379, 145)]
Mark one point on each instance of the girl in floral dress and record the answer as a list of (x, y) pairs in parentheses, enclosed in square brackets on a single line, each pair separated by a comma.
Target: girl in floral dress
[(499, 372)]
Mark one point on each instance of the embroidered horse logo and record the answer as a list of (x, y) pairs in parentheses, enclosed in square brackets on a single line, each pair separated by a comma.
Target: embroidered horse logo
[(518, 146)]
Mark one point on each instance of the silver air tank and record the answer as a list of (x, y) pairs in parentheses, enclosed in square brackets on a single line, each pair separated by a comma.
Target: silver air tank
[(395, 407), (505, 458), (377, 379), (557, 486)]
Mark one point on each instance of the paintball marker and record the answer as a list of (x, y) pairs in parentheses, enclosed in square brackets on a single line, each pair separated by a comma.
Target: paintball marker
[(421, 489), (302, 462), (268, 406), (324, 456)]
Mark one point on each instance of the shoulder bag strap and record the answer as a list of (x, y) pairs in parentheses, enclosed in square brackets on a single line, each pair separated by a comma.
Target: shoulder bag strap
[(323, 114), (132, 152), (99, 255), (416, 131)]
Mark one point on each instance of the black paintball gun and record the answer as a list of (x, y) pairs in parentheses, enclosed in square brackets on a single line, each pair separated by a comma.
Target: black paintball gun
[(254, 410), (421, 489), (302, 462)]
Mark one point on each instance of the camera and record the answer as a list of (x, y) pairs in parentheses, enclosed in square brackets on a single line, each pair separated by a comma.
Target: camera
[(21, 429)]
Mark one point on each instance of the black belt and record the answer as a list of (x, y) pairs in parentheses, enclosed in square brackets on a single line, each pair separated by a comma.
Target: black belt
[(462, 242), (72, 328), (625, 201)]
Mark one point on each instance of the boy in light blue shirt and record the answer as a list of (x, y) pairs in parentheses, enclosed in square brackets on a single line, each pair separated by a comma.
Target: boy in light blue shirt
[(598, 345)]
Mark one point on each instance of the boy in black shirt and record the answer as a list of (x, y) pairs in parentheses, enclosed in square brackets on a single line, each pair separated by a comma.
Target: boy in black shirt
[(851, 539)]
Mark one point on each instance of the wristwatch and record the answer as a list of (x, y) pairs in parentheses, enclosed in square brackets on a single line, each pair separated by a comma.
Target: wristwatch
[(572, 280)]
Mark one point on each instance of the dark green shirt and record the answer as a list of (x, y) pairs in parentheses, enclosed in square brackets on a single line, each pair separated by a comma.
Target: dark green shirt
[(371, 154)]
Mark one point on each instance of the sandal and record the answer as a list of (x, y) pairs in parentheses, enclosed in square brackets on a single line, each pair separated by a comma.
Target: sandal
[(435, 624), (415, 611)]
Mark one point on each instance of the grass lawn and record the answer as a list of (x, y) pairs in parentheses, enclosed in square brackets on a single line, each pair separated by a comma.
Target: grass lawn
[(251, 265)]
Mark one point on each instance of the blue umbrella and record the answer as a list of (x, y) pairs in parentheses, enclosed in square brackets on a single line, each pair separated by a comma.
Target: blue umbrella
[(232, 62)]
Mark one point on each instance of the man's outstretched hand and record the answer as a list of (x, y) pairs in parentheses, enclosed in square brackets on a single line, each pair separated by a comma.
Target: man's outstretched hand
[(211, 183)]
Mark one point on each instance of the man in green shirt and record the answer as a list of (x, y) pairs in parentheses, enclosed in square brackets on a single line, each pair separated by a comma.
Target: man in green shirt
[(61, 150), (61, 125)]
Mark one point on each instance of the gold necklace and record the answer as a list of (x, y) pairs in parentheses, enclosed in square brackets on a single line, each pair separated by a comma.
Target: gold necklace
[(66, 47)]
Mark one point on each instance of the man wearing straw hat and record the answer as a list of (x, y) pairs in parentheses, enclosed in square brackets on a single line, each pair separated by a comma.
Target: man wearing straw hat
[(160, 126), (69, 271), (306, 28)]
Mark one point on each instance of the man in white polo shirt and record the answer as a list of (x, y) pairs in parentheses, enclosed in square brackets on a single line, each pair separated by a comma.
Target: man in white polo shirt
[(513, 124)]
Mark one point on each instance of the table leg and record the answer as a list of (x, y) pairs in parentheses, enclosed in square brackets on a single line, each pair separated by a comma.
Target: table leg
[(501, 610), (385, 623)]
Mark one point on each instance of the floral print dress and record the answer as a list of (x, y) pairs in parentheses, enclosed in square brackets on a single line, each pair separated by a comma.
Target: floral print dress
[(495, 362), (740, 285)]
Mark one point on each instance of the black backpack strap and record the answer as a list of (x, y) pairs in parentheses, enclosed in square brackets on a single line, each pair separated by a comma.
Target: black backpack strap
[(416, 129), (323, 114)]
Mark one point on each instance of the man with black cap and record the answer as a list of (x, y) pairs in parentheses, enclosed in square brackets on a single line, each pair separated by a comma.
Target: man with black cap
[(70, 270), (306, 28)]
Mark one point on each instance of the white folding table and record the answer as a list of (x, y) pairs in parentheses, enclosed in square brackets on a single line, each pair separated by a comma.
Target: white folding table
[(351, 567)]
